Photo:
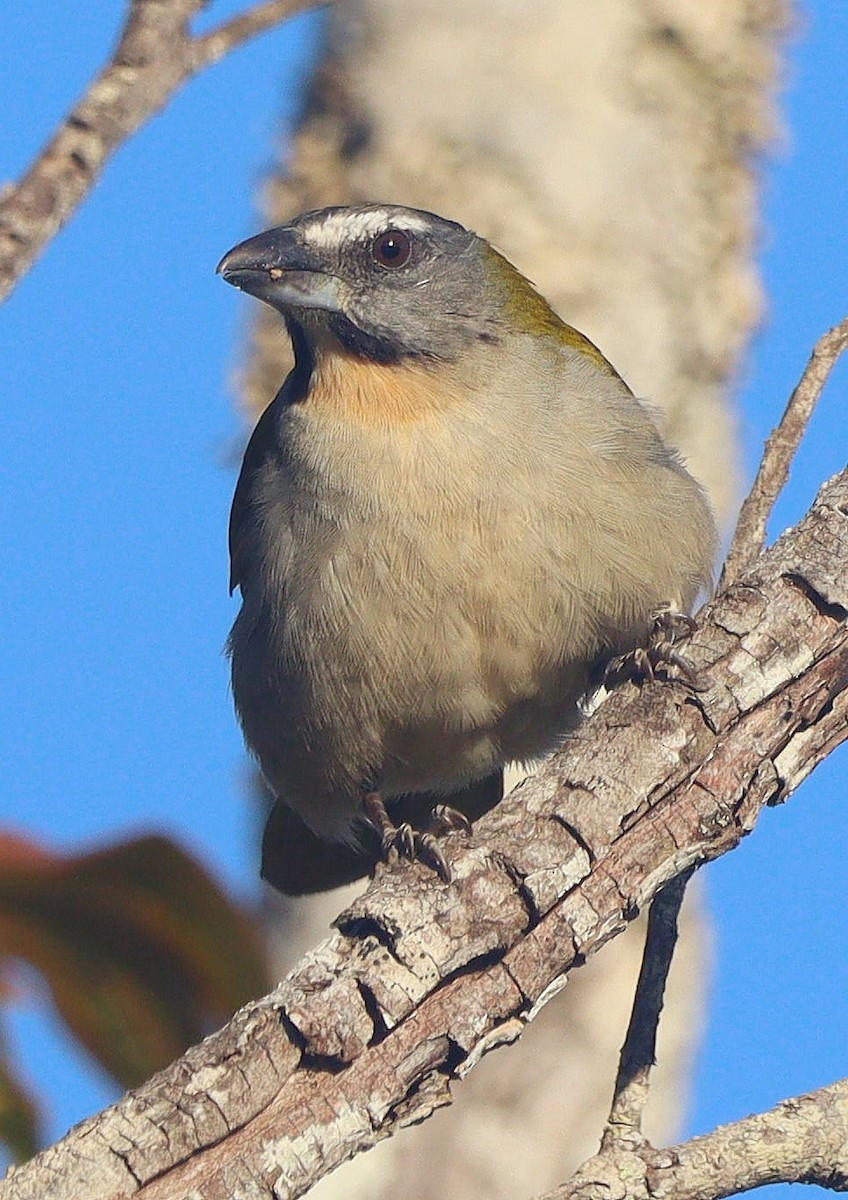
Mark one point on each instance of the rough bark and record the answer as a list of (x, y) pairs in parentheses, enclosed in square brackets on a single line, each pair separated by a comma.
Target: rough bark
[(421, 979)]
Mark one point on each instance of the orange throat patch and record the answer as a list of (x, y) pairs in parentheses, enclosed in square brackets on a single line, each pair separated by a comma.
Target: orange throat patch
[(356, 389)]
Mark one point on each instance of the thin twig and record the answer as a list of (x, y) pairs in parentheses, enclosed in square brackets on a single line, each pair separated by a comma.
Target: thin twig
[(156, 54), (638, 1054), (780, 449), (212, 46)]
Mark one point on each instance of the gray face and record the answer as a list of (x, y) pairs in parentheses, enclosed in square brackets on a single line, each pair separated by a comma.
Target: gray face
[(388, 282)]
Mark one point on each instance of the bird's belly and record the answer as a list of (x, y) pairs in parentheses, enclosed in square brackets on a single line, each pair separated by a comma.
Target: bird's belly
[(436, 679), (408, 653), (486, 729)]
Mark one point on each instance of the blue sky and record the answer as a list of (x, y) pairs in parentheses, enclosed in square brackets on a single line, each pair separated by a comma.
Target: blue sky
[(118, 435)]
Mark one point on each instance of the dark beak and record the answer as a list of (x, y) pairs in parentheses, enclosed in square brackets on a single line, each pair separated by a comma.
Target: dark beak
[(276, 267)]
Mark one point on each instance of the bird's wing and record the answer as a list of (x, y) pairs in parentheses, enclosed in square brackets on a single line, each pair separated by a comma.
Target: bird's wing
[(243, 532)]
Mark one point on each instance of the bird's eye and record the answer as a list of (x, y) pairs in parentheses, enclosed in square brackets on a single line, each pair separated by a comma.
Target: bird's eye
[(391, 248)]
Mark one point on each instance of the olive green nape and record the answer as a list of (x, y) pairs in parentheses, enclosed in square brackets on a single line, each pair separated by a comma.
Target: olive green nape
[(531, 312)]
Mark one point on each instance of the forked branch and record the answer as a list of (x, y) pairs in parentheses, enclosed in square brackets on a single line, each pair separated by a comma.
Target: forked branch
[(156, 54), (803, 1140)]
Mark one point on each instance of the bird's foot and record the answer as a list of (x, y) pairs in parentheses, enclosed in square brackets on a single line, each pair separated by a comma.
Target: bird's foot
[(659, 657), (444, 819), (411, 843)]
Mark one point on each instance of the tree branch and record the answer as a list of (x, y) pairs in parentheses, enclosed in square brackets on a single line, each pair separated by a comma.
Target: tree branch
[(638, 1054), (803, 1140), (213, 46), (156, 54), (422, 978), (780, 449)]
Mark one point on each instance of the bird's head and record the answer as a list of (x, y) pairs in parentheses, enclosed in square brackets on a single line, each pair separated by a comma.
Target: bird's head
[(389, 283)]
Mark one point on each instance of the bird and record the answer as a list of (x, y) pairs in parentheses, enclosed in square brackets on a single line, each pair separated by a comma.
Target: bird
[(453, 516)]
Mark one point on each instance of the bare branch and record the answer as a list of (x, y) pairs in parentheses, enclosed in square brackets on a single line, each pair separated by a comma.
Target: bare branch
[(212, 46), (422, 978), (780, 449), (803, 1140), (156, 54), (638, 1054)]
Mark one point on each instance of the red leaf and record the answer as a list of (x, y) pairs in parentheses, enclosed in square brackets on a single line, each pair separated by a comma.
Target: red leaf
[(141, 950)]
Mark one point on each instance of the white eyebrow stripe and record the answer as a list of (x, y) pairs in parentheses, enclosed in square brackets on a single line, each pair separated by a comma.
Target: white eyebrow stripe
[(336, 228)]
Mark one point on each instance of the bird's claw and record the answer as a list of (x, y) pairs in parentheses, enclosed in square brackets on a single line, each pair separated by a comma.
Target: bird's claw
[(659, 657), (428, 850), (445, 819), (398, 837), (412, 843)]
